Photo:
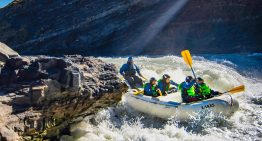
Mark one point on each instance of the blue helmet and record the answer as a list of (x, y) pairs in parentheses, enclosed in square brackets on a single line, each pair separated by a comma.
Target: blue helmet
[(189, 78), (165, 76), (152, 79), (130, 59)]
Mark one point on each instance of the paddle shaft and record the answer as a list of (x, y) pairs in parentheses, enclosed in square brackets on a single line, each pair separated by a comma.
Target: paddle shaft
[(225, 92), (193, 72)]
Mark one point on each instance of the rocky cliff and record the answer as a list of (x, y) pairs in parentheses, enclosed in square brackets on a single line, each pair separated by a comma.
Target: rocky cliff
[(41, 96), (140, 27)]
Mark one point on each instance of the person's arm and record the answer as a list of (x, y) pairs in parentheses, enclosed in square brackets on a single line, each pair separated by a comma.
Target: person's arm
[(173, 83), (138, 71), (157, 88), (215, 93), (179, 87), (122, 70), (190, 84), (197, 89)]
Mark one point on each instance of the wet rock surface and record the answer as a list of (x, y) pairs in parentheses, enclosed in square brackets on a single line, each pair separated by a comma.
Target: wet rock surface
[(40, 96)]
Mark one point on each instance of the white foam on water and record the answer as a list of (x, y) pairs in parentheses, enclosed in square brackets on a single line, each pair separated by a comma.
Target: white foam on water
[(122, 123)]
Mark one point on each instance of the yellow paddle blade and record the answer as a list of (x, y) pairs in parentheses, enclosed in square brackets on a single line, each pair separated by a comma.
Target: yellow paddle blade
[(237, 89), (138, 92), (187, 57)]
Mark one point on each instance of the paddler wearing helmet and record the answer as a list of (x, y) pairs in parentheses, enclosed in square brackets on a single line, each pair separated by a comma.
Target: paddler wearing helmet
[(187, 89), (132, 74), (151, 88), (165, 83), (203, 90)]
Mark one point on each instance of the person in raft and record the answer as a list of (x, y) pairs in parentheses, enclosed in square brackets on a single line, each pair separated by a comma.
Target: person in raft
[(187, 89), (165, 83), (151, 88), (132, 74), (203, 90)]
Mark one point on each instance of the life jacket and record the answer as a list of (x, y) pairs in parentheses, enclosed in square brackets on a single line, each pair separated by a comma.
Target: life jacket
[(165, 86), (187, 92), (131, 69), (204, 89), (152, 88)]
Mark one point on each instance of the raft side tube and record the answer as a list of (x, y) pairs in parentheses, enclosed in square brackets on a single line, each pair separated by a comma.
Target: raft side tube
[(162, 109)]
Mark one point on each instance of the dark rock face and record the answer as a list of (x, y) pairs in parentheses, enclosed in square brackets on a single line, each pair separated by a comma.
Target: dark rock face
[(41, 96), (121, 27)]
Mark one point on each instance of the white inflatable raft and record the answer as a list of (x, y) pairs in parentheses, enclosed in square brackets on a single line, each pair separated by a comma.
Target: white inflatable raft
[(170, 106)]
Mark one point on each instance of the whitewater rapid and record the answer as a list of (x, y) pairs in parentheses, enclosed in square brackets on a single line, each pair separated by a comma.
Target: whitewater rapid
[(122, 123)]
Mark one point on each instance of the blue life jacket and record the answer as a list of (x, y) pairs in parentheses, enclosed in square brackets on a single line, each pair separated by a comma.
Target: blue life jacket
[(150, 90), (129, 70), (163, 86)]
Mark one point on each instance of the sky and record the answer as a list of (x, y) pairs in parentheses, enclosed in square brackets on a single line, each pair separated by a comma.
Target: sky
[(3, 3)]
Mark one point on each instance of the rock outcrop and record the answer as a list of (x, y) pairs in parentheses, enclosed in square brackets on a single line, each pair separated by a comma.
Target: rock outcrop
[(40, 96), (6, 52), (122, 27)]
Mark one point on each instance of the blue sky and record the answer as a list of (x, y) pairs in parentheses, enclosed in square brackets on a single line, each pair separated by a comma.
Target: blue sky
[(3, 3)]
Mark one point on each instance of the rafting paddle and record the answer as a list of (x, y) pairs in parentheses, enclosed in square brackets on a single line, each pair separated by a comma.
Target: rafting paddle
[(137, 92), (188, 59), (236, 90)]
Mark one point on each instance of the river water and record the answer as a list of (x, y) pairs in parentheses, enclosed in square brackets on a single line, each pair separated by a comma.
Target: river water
[(221, 72)]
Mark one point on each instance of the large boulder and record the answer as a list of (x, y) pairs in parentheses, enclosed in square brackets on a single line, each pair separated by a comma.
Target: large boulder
[(45, 94), (6, 52)]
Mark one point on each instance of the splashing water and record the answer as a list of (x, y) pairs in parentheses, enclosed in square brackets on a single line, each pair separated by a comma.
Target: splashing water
[(122, 123)]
